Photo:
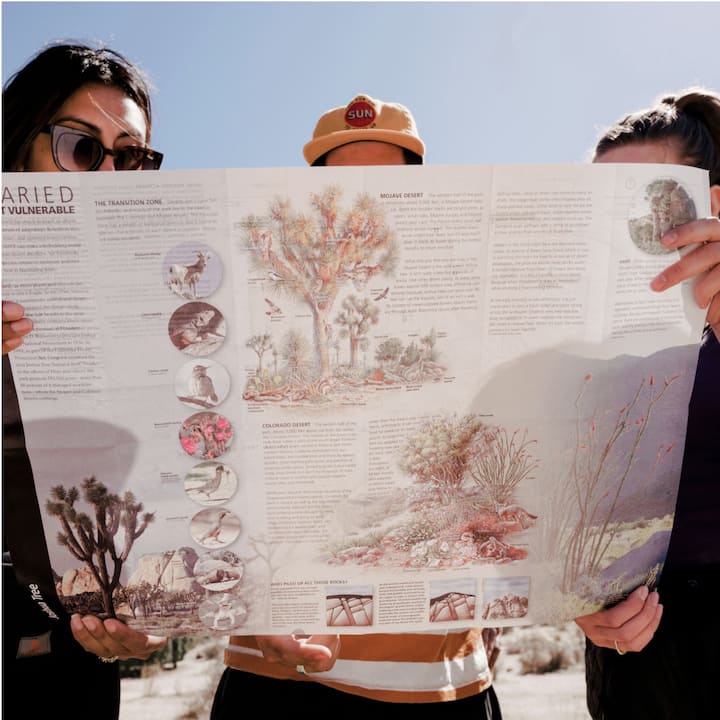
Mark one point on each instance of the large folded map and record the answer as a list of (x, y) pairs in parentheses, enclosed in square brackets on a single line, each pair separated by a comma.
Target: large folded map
[(376, 399)]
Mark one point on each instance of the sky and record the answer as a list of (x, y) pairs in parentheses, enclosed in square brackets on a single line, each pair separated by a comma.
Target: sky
[(242, 84)]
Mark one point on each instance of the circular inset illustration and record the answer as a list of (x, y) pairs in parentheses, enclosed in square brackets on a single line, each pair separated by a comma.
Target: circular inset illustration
[(202, 384), (206, 435), (197, 329), (211, 483), (665, 204), (222, 611), (219, 570), (214, 528), (192, 270)]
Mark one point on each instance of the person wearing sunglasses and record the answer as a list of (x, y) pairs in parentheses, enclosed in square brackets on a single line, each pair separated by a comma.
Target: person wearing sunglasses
[(71, 108)]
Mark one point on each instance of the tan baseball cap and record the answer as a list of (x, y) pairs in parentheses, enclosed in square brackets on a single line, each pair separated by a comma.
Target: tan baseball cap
[(364, 118)]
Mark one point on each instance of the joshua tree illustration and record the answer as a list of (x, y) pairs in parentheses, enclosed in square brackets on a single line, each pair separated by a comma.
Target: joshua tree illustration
[(355, 319), (311, 257), (93, 542), (260, 344), (601, 467)]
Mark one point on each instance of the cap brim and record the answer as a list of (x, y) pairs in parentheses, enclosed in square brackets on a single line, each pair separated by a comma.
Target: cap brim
[(318, 147)]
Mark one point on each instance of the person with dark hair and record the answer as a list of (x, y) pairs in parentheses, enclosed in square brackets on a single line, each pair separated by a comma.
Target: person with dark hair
[(70, 108), (40, 132), (644, 657), (421, 674)]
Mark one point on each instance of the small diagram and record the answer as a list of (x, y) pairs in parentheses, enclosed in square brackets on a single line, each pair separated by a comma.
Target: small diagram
[(223, 611), (665, 204), (452, 600), (348, 605), (211, 483), (202, 384), (505, 598), (197, 329), (214, 528), (192, 270), (219, 571), (206, 435)]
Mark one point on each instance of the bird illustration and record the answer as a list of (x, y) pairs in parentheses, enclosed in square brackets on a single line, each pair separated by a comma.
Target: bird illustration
[(213, 483), (273, 308), (200, 385), (382, 295), (213, 534)]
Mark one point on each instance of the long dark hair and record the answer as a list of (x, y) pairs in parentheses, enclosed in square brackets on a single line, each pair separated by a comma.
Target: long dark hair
[(690, 118), (35, 93)]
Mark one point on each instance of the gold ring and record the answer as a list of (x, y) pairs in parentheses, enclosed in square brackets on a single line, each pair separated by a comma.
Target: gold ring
[(619, 651), (112, 659)]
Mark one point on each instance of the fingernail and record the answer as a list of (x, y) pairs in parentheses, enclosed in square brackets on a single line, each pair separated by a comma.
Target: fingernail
[(659, 282), (643, 592), (20, 325), (669, 238)]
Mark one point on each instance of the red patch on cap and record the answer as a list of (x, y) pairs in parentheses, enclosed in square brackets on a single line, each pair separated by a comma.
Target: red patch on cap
[(360, 113)]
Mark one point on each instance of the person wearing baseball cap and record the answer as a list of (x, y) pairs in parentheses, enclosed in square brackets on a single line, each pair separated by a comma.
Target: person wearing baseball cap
[(413, 675), (372, 123)]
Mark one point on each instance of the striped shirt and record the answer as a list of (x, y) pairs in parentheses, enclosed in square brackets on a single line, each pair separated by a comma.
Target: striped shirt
[(402, 667)]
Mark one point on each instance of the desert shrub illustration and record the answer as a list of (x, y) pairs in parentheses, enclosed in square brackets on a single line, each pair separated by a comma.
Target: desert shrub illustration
[(498, 463), (414, 362), (93, 541), (460, 508), (439, 454), (448, 451), (604, 455)]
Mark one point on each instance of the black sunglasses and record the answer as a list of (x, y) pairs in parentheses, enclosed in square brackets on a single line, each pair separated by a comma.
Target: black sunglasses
[(76, 151)]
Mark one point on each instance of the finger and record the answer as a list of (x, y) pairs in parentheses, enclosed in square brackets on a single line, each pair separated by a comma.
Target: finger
[(89, 632), (696, 232), (11, 344), (132, 643), (624, 611), (14, 332), (646, 635), (325, 649), (113, 638), (11, 311), (624, 641), (315, 652), (702, 259), (633, 634)]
